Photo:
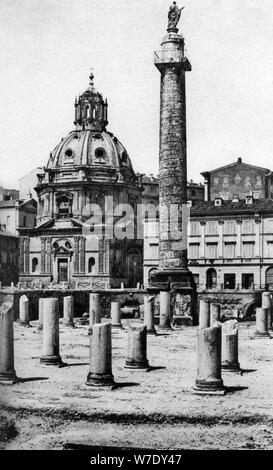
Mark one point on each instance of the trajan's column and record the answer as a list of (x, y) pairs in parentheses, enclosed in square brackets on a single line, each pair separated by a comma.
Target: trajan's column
[(173, 273)]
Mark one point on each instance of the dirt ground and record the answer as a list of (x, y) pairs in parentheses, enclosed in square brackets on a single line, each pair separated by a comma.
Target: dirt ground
[(50, 407)]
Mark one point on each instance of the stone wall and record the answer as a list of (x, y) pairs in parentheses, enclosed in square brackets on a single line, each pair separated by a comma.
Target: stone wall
[(81, 299)]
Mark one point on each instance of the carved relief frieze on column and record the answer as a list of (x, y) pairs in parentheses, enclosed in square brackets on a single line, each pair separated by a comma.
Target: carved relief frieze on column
[(43, 241), (106, 257), (101, 255), (82, 256), (48, 255), (76, 255)]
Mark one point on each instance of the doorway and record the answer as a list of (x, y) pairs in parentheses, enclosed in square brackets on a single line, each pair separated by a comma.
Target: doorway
[(63, 270)]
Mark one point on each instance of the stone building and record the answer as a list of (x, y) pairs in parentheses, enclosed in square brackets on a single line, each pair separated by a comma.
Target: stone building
[(150, 195), (8, 194), (238, 179), (8, 257), (89, 166), (230, 242), (15, 213)]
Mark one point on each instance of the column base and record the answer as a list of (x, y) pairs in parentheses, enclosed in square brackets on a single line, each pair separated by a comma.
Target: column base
[(51, 361), (40, 327), (71, 324), (228, 367), (100, 380), (203, 387), (260, 335), (152, 332), (130, 364), (8, 378), (164, 327), (180, 283), (24, 323), (117, 325)]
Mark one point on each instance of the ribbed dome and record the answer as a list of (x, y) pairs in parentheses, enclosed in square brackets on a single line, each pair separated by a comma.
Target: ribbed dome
[(90, 148)]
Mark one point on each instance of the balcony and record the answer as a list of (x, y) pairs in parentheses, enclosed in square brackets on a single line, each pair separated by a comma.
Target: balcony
[(171, 56)]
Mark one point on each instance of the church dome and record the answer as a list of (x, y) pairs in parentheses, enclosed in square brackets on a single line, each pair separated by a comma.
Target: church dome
[(92, 148), (90, 144)]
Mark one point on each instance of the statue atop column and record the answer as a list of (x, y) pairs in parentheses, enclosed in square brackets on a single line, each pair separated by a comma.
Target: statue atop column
[(174, 15)]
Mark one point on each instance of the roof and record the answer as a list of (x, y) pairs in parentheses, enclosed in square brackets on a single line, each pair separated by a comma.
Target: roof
[(203, 208), (238, 162), (5, 233)]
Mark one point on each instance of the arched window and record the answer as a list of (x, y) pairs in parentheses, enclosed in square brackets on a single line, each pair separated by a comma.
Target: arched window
[(87, 111), (35, 265), (94, 113), (211, 279), (91, 264), (269, 278)]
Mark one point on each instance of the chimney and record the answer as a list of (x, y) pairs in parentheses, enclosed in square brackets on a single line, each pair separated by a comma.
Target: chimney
[(249, 199), (218, 201)]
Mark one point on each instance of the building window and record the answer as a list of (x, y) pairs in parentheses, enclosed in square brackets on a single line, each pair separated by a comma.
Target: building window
[(194, 228), (211, 228), (91, 264), (247, 281), (100, 154), (196, 279), (152, 229), (34, 265), (154, 251), (269, 278), (211, 250), (247, 227), (270, 249), (229, 227), (248, 250), (211, 279), (229, 281), (229, 250), (194, 250), (64, 205)]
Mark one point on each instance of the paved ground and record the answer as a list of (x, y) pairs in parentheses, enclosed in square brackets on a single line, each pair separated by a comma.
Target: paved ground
[(51, 406)]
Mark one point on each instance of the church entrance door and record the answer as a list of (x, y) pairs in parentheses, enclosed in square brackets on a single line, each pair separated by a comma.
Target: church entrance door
[(63, 270)]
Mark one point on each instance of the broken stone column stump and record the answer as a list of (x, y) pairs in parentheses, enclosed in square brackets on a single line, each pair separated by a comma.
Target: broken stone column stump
[(261, 324), (266, 303), (40, 313), (100, 368), (209, 380), (51, 355), (204, 314), (215, 313), (137, 348), (230, 361), (24, 311), (149, 315), (165, 311), (7, 371), (116, 315), (68, 311), (94, 309)]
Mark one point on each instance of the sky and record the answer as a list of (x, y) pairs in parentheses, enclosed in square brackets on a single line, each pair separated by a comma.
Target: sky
[(49, 46)]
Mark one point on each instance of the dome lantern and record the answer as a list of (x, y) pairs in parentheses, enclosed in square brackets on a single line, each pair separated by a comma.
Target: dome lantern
[(91, 110)]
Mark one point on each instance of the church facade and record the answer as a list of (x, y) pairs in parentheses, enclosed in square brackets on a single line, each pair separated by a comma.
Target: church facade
[(72, 242)]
